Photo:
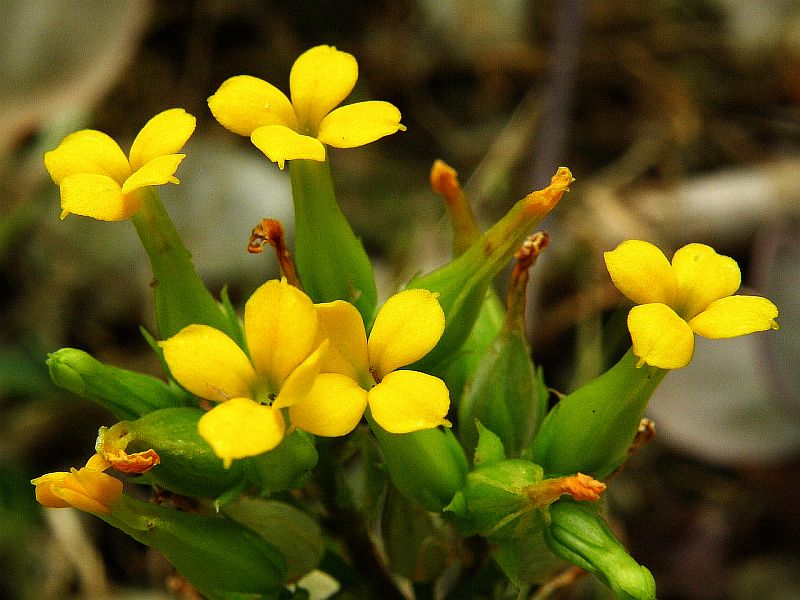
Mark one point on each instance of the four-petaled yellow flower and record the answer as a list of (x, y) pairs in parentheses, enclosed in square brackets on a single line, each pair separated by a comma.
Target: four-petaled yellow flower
[(88, 488), (97, 179), (320, 79), (358, 372), (280, 327), (691, 295)]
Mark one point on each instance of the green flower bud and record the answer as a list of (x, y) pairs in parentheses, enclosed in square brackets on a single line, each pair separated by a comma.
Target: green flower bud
[(580, 536), (188, 465), (128, 395), (427, 466), (180, 297), (591, 429), (462, 283), (504, 498), (285, 467), (331, 261), (217, 555)]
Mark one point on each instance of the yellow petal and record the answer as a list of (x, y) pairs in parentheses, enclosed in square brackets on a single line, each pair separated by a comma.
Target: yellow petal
[(341, 324), (735, 315), (85, 489), (300, 381), (280, 325), (208, 363), (333, 408), (45, 486), (703, 276), (96, 196), (407, 327), (166, 133), (158, 171), (320, 79), (358, 124), (243, 103), (240, 428), (280, 144), (642, 272), (87, 151), (408, 401), (660, 337)]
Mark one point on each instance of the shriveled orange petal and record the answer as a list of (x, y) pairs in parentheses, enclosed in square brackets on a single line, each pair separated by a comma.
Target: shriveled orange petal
[(703, 276), (96, 196), (208, 363), (734, 316), (243, 103), (280, 144), (660, 337), (358, 124), (166, 133), (406, 401), (280, 325), (341, 324), (407, 327), (300, 381), (642, 273), (158, 171), (332, 408), (87, 151), (320, 79), (240, 428)]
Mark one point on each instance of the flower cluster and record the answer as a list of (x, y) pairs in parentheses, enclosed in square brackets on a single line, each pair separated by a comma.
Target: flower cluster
[(245, 400), (313, 361)]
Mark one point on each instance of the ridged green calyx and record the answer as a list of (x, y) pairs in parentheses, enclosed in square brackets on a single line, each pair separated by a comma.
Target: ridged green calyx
[(331, 261), (188, 465), (591, 429)]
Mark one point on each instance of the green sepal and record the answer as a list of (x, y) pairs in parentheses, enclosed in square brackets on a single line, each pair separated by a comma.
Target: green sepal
[(418, 544), (580, 536), (188, 465), (591, 430), (503, 394), (127, 394), (180, 297), (293, 532), (462, 366), (427, 466), (331, 261), (215, 554), (462, 283), (288, 466)]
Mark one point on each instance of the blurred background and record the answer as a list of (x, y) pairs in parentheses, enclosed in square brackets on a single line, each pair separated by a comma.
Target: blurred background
[(680, 120)]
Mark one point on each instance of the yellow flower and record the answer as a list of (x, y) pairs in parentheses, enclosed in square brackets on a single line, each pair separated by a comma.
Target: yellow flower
[(691, 295), (97, 179), (283, 129), (280, 326), (358, 372), (87, 488)]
